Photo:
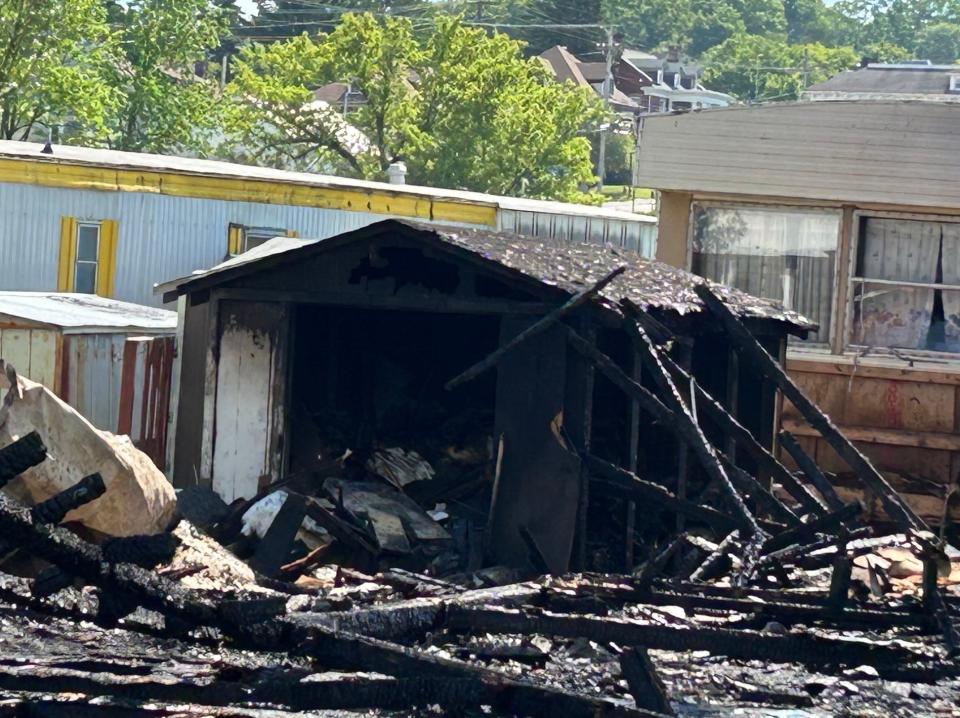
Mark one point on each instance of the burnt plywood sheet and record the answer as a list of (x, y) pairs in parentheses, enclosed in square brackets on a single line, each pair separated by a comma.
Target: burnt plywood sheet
[(539, 483)]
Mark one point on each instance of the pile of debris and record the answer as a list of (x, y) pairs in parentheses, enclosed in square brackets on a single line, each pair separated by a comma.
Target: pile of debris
[(364, 592)]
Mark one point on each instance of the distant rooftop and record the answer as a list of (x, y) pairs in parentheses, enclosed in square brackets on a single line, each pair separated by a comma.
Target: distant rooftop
[(920, 79)]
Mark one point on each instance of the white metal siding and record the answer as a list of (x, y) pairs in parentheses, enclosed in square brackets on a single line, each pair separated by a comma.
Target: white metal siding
[(163, 237), (639, 236), (868, 152)]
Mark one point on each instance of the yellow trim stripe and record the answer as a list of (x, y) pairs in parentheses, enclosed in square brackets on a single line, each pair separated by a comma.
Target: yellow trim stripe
[(49, 173), (68, 254), (107, 257)]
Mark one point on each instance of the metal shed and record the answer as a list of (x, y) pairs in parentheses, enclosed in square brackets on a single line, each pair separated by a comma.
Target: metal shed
[(111, 361)]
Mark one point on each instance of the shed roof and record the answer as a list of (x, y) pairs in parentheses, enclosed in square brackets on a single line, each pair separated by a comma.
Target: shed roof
[(567, 266), (86, 313)]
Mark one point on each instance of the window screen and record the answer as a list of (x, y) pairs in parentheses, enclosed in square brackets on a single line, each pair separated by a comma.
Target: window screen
[(783, 254), (906, 285)]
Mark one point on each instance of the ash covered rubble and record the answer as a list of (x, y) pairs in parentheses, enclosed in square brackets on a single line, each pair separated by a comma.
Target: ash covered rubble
[(369, 587)]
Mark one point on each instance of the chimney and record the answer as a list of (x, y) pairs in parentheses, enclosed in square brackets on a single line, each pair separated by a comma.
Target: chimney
[(397, 173), (673, 53)]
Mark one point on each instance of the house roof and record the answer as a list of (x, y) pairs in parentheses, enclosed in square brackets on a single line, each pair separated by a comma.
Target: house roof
[(891, 79), (566, 266), (900, 153), (565, 65), (143, 163), (85, 313)]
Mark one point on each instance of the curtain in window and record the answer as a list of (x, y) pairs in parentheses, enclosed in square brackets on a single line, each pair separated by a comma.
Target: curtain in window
[(897, 250), (788, 255), (951, 275)]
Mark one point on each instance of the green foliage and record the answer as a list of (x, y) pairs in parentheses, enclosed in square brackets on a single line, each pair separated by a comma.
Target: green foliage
[(462, 108), (163, 105), (741, 65), (53, 54), (939, 42)]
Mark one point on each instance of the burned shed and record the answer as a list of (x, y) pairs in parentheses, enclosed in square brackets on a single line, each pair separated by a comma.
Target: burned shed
[(323, 358)]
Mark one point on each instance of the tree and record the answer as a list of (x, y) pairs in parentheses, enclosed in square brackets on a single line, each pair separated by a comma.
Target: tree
[(462, 108), (939, 43), (165, 105), (53, 54), (761, 68), (652, 24)]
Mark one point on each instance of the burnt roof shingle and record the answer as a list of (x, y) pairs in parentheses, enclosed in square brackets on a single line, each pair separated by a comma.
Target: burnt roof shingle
[(574, 266)]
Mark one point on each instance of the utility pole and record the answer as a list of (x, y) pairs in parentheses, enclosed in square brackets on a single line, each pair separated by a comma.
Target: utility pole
[(607, 91)]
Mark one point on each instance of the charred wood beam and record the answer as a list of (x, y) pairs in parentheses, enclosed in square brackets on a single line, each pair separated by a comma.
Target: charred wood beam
[(506, 694), (810, 469), (934, 602), (825, 524), (655, 565), (814, 554), (345, 692), (840, 581), (146, 551), (650, 492), (896, 508), (788, 612), (716, 412), (713, 565), (56, 507), (414, 618), (686, 426), (22, 454), (84, 560), (743, 644), (760, 493), (645, 685), (536, 328)]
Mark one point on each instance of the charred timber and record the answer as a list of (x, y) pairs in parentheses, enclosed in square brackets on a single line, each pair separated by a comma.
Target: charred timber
[(22, 454), (534, 329), (743, 644), (717, 413), (896, 508), (825, 524), (810, 469), (648, 491), (687, 426), (54, 509)]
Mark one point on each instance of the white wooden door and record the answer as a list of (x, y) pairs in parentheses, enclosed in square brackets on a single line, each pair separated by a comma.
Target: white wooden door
[(251, 380)]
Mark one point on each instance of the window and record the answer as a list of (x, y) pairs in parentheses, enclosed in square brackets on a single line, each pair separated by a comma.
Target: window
[(88, 250), (783, 254), (241, 238), (87, 256), (906, 285)]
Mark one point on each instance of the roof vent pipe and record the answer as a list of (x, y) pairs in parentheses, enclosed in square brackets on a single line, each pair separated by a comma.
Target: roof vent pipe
[(397, 173)]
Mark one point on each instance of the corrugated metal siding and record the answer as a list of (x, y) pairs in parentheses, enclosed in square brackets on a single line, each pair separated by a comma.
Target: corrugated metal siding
[(163, 237), (878, 152), (639, 236)]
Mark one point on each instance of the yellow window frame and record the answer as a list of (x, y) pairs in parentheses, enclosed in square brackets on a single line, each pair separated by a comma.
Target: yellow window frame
[(106, 256)]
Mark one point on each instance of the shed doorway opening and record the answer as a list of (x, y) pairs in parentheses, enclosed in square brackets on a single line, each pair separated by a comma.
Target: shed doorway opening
[(365, 379)]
